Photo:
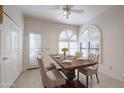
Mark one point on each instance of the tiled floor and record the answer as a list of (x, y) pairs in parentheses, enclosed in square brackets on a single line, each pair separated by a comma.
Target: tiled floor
[(31, 79)]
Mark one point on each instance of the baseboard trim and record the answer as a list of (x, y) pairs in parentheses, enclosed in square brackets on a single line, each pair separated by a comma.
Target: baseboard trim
[(111, 76), (33, 68), (16, 79)]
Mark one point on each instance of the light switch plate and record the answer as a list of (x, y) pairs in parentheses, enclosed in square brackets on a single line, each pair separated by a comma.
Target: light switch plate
[(123, 75)]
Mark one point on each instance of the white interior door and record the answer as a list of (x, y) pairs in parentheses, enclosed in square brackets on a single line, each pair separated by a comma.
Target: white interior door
[(10, 52), (6, 44), (6, 61), (34, 48)]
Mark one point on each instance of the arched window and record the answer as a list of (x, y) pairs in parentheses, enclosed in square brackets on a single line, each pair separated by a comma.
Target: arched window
[(90, 41), (67, 39)]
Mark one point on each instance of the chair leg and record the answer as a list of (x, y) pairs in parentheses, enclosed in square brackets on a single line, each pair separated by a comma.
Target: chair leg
[(45, 87), (91, 76), (87, 81), (97, 78), (78, 75), (63, 86)]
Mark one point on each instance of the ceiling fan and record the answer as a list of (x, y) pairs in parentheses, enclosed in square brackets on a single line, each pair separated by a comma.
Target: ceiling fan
[(68, 10)]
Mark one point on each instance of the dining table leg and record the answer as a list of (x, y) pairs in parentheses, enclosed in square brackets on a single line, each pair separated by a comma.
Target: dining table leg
[(71, 83), (71, 76)]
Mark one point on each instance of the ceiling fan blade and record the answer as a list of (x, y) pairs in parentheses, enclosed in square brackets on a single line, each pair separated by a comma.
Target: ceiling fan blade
[(56, 7), (68, 6), (60, 17), (77, 11)]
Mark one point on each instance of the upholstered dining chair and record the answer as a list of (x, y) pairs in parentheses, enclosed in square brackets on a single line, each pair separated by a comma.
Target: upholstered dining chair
[(50, 78), (90, 70), (50, 66), (78, 54), (47, 64)]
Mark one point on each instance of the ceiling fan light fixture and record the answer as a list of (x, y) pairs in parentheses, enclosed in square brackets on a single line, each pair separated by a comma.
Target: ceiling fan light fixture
[(67, 14), (67, 11)]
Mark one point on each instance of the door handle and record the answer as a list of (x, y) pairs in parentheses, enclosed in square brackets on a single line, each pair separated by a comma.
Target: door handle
[(5, 58)]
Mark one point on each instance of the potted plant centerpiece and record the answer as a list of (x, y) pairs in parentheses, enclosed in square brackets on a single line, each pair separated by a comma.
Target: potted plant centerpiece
[(64, 51)]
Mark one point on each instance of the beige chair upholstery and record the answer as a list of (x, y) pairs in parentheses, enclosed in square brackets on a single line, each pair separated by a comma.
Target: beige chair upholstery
[(50, 66), (92, 57), (77, 54), (50, 78), (88, 70), (58, 67), (47, 64), (91, 70)]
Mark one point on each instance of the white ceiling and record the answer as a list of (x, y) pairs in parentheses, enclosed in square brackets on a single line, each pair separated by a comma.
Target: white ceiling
[(46, 12)]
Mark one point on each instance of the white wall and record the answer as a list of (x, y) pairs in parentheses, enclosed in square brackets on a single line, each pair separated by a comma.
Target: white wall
[(111, 24), (15, 14), (49, 31)]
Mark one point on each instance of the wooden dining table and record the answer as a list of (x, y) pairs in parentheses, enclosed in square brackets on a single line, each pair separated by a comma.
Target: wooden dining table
[(69, 68)]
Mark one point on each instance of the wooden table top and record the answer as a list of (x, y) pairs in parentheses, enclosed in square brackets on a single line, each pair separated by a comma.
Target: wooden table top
[(75, 62)]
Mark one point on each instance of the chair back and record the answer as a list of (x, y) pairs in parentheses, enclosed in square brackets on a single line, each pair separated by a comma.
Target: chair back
[(78, 54), (97, 60), (47, 78), (44, 77), (94, 58)]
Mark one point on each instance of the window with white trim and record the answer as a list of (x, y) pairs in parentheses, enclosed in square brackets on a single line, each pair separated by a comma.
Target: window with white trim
[(89, 42), (68, 39)]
